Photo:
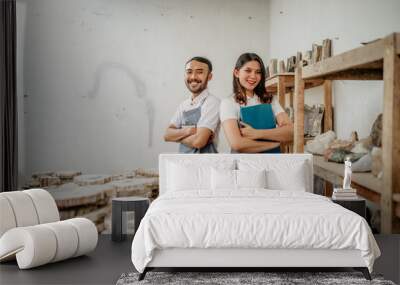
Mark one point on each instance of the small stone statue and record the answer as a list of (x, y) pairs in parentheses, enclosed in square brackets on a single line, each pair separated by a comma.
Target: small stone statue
[(347, 174)]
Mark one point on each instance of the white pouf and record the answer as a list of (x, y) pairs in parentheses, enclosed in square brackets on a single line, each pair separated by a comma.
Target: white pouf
[(31, 232)]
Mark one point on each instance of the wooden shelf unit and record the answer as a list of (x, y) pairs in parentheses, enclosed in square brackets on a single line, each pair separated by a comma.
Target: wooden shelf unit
[(283, 83), (375, 61)]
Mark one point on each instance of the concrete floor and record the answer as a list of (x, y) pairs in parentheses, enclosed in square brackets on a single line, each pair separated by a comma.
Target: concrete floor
[(111, 259), (102, 266)]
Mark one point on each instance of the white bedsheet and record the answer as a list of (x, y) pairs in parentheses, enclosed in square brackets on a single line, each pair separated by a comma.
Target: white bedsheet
[(252, 218)]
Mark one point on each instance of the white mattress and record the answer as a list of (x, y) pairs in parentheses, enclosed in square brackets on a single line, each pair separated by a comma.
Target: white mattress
[(253, 218)]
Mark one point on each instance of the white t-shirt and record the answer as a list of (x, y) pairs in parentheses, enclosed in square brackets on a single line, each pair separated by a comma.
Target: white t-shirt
[(209, 117), (230, 109)]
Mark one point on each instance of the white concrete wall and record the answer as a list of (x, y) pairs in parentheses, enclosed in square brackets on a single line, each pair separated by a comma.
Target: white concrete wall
[(295, 25), (103, 78)]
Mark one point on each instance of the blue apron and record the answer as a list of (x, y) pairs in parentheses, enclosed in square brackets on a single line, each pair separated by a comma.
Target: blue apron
[(260, 117), (191, 118)]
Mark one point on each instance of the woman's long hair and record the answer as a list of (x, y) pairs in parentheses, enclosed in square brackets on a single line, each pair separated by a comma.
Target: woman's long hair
[(239, 91)]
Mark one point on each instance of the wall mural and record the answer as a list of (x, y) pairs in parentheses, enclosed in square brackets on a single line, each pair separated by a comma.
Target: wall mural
[(140, 91)]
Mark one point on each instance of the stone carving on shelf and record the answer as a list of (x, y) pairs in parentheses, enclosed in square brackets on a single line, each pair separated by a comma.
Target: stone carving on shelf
[(320, 143), (364, 164), (347, 174), (363, 146), (313, 120), (339, 155), (377, 165), (376, 131)]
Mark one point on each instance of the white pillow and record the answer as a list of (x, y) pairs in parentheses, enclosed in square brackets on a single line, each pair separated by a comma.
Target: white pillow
[(251, 178), (237, 179), (295, 180), (193, 174), (223, 179), (183, 177), (282, 173)]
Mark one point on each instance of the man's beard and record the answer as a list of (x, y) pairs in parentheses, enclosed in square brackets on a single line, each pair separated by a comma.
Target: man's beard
[(199, 88)]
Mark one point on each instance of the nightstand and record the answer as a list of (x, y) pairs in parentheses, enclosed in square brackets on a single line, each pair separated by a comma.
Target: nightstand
[(356, 205), (123, 204)]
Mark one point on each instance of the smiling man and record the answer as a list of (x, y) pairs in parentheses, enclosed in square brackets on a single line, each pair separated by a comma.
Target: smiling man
[(196, 121)]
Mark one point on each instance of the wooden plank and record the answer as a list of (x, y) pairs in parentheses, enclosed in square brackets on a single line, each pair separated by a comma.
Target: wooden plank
[(271, 84), (396, 197), (313, 83), (390, 132), (291, 102), (298, 142), (367, 193), (281, 90), (356, 74), (328, 189), (280, 74), (328, 106), (347, 60)]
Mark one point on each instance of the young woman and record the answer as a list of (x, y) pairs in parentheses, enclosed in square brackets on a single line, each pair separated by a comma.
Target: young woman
[(253, 121)]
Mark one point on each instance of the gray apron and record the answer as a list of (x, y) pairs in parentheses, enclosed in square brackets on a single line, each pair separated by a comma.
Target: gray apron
[(191, 118)]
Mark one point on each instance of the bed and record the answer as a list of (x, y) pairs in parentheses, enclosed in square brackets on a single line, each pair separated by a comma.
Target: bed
[(247, 210)]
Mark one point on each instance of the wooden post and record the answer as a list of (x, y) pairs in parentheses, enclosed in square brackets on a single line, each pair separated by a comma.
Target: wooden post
[(298, 142), (291, 103), (281, 90), (328, 126), (390, 132), (328, 189)]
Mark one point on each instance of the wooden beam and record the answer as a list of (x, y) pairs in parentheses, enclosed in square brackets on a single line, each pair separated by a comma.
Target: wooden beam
[(291, 102), (367, 193), (390, 132), (328, 189), (356, 74), (281, 90), (347, 60), (298, 142), (313, 83), (328, 106)]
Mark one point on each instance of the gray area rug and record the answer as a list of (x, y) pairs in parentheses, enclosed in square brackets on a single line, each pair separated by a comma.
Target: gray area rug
[(228, 278)]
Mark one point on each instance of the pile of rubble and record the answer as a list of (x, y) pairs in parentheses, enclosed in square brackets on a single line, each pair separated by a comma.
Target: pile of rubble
[(89, 195)]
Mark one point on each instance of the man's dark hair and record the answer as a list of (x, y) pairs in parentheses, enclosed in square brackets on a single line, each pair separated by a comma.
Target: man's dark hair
[(202, 60)]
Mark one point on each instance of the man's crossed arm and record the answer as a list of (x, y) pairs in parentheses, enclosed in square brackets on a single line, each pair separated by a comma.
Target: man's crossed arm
[(190, 136)]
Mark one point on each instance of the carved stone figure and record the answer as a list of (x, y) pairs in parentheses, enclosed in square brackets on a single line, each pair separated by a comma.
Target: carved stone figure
[(376, 132), (347, 174)]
